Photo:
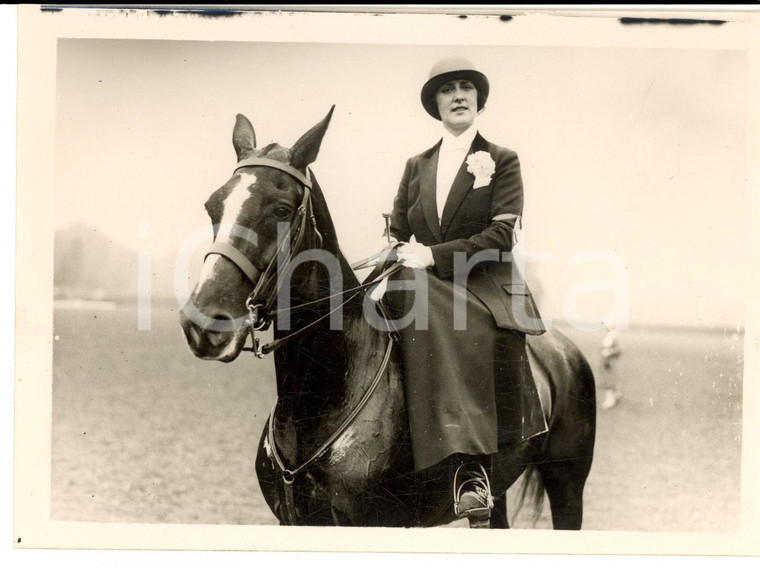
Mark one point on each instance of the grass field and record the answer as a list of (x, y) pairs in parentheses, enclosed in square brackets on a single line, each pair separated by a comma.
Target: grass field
[(145, 432)]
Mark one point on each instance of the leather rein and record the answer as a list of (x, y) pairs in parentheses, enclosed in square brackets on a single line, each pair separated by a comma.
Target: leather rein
[(267, 284)]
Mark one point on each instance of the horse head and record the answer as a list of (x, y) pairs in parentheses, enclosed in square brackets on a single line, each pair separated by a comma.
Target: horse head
[(269, 190)]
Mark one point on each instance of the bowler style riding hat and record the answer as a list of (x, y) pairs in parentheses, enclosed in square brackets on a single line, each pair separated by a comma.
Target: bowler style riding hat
[(449, 69)]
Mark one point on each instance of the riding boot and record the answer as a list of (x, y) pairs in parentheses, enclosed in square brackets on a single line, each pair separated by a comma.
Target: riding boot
[(472, 491)]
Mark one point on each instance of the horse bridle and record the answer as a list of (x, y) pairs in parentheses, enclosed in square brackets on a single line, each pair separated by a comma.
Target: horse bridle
[(261, 300), (267, 282)]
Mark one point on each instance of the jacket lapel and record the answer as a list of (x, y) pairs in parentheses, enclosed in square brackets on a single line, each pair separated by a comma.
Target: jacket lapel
[(428, 171), (462, 184)]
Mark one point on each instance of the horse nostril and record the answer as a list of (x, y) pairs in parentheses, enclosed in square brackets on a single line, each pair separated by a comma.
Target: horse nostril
[(220, 319), (220, 326)]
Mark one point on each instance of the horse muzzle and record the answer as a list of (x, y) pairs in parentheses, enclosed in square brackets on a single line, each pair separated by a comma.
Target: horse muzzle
[(218, 336)]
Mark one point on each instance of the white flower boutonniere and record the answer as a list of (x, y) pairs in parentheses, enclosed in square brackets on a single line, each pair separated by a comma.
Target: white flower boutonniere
[(481, 165)]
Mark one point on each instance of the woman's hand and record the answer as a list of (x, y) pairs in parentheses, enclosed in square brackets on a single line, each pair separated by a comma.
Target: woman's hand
[(415, 256)]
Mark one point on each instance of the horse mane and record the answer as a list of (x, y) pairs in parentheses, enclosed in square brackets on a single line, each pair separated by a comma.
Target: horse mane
[(326, 227), (323, 218)]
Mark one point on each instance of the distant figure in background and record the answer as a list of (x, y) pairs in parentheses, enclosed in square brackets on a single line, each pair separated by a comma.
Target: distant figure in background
[(610, 351)]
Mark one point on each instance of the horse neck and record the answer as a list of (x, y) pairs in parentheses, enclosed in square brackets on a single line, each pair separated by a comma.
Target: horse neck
[(312, 368), (322, 374)]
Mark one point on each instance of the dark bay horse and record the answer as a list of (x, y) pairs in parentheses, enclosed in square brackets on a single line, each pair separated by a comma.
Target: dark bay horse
[(336, 449)]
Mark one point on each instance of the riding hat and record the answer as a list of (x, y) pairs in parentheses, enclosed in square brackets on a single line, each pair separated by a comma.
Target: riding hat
[(446, 70)]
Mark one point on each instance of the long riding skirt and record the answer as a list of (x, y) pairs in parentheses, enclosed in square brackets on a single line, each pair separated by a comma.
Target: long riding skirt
[(467, 390)]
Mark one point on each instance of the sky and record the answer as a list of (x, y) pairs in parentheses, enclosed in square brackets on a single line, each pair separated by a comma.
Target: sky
[(633, 159)]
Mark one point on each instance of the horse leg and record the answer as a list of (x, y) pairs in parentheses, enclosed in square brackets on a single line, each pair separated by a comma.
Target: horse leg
[(506, 467), (564, 486), (565, 466), (565, 459), (499, 518)]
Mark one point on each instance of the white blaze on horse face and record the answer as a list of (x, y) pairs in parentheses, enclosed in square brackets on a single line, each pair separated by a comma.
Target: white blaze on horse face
[(209, 270), (232, 208)]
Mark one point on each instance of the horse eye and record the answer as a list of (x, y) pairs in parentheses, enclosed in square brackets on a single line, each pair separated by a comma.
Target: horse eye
[(282, 212)]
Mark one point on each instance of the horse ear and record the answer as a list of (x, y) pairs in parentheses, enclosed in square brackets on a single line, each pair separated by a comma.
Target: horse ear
[(305, 151), (243, 138)]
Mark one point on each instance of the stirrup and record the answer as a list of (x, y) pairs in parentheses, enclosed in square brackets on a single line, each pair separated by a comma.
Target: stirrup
[(480, 493)]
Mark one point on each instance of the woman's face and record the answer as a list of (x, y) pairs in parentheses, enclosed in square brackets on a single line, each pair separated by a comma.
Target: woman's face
[(457, 103)]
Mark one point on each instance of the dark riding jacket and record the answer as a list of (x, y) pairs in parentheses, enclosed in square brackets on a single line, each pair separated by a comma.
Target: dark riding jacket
[(475, 220)]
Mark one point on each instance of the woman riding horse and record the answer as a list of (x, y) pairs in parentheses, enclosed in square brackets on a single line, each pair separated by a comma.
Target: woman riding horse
[(336, 448), (469, 388)]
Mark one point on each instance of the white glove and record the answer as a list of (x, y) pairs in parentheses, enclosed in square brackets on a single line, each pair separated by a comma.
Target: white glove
[(415, 256)]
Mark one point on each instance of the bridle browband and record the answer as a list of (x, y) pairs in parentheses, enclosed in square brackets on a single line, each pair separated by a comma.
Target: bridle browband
[(277, 165)]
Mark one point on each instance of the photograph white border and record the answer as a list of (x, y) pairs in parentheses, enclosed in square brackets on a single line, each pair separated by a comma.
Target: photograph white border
[(38, 34)]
